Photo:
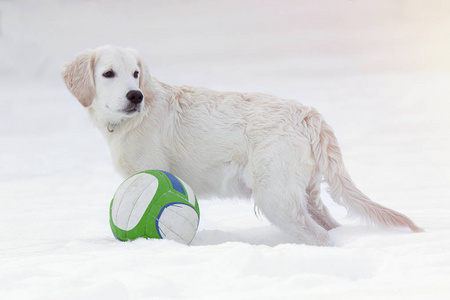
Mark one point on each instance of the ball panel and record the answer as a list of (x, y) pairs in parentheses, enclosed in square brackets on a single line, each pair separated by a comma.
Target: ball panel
[(178, 222), (134, 196), (129, 235), (157, 206), (120, 193), (190, 193), (142, 204), (175, 181)]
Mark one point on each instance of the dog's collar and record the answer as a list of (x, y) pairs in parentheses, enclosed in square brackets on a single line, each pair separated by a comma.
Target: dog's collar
[(112, 126)]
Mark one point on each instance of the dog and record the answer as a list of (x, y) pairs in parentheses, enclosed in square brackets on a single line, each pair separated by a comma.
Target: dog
[(223, 144)]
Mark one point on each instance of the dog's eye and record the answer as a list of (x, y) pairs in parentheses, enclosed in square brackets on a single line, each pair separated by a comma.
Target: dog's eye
[(109, 74), (135, 74)]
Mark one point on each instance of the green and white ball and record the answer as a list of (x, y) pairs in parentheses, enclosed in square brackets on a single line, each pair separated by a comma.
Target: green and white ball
[(154, 204)]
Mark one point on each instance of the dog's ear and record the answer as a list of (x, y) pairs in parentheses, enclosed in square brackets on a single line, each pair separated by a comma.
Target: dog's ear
[(143, 72), (79, 77), (144, 80)]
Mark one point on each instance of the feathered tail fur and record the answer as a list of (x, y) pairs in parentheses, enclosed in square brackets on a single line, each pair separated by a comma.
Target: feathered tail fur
[(342, 189)]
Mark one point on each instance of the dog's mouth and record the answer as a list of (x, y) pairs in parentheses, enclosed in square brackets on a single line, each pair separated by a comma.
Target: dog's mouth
[(129, 110), (132, 108)]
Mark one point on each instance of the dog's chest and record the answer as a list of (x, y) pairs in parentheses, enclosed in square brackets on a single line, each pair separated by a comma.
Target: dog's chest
[(133, 153)]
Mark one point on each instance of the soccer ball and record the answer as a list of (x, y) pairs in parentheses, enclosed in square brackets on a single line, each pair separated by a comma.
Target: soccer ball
[(154, 204)]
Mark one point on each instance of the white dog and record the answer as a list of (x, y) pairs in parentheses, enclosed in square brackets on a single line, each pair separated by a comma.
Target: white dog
[(222, 143)]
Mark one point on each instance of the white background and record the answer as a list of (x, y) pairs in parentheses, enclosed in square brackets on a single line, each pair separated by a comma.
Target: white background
[(379, 71)]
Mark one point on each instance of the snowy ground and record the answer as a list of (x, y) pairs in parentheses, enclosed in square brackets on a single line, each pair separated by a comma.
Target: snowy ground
[(377, 70)]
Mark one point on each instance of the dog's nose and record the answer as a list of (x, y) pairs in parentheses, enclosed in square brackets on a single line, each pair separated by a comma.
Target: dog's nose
[(135, 96)]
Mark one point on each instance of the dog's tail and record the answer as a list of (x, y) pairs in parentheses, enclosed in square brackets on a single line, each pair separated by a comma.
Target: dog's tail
[(341, 187)]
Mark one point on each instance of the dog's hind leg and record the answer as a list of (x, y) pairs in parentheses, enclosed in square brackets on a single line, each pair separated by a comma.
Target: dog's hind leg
[(317, 210), (279, 190)]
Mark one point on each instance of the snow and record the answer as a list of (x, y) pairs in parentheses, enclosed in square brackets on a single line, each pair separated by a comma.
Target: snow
[(377, 70)]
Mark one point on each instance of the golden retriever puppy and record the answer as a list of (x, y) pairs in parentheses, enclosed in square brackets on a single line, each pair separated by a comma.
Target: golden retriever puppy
[(223, 144)]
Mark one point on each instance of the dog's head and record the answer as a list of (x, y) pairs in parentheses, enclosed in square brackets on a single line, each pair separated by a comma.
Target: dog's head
[(109, 78)]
